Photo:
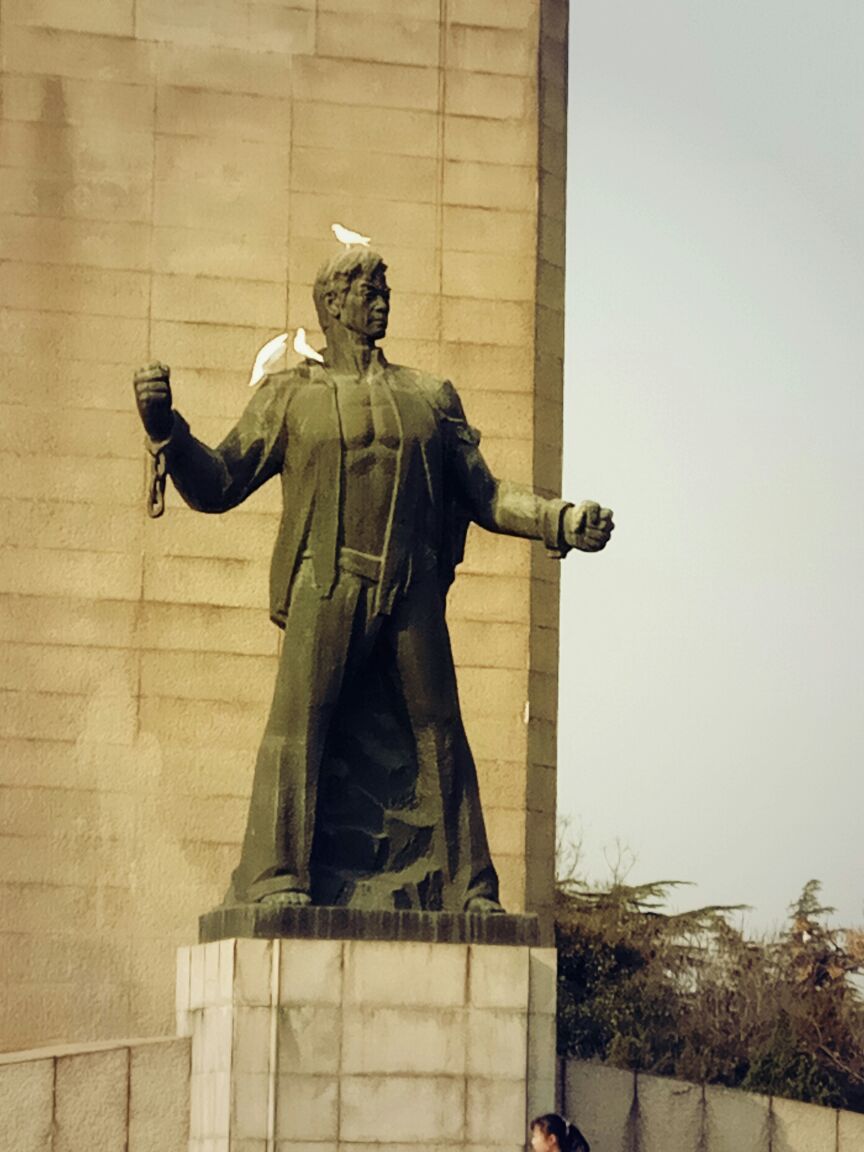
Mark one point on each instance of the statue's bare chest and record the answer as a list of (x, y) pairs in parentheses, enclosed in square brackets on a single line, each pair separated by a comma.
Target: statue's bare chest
[(368, 418)]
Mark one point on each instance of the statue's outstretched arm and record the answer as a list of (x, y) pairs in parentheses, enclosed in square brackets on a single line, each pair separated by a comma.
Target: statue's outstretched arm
[(214, 479), (514, 509)]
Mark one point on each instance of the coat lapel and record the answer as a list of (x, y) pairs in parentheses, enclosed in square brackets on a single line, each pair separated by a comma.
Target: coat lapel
[(324, 531)]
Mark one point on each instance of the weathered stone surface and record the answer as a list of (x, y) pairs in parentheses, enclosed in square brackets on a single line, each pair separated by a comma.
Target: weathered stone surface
[(311, 971), (26, 1105), (407, 1041), (600, 1101), (130, 1096), (159, 1097), (738, 1120), (543, 982), (405, 974), (498, 1043), (850, 1132), (413, 1110), (618, 1109), (498, 978), (496, 1108), (362, 1039), (91, 1100), (671, 1112), (801, 1127)]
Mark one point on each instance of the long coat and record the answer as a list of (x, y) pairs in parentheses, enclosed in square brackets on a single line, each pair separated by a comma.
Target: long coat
[(291, 428)]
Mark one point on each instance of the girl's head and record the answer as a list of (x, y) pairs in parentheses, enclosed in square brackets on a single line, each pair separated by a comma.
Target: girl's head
[(552, 1133)]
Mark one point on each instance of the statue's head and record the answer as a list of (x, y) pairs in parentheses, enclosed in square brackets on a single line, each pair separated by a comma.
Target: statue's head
[(351, 290)]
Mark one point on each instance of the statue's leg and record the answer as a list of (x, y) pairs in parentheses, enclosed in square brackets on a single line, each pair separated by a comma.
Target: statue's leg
[(447, 775), (274, 863)]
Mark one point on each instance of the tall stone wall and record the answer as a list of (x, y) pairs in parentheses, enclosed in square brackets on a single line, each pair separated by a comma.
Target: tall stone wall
[(170, 172)]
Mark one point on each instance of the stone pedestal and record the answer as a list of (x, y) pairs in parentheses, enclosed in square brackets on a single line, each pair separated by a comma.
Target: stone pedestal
[(328, 923), (338, 1044)]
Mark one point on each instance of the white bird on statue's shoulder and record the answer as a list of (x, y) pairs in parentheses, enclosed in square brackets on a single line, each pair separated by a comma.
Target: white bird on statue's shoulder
[(347, 237), (302, 348), (272, 351)]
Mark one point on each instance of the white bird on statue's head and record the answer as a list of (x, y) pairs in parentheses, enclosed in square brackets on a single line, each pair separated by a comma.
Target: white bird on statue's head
[(347, 237)]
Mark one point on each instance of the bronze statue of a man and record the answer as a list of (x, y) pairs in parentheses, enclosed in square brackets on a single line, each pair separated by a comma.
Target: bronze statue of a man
[(365, 791)]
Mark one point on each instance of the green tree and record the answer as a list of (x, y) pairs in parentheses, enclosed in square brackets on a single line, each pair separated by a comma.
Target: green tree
[(686, 994)]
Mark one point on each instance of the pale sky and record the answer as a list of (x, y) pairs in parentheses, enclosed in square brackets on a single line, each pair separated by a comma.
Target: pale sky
[(712, 713)]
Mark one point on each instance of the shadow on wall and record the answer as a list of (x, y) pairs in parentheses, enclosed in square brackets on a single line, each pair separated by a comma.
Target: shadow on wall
[(623, 1111)]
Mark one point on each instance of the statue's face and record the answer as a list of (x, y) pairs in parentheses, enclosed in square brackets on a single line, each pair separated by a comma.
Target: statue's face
[(366, 306)]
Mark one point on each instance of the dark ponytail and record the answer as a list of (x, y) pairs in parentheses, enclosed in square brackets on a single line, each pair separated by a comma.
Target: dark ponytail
[(576, 1142), (569, 1138)]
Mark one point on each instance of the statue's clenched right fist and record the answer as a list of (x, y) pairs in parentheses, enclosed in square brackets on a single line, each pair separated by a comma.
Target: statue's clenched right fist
[(588, 527), (153, 396)]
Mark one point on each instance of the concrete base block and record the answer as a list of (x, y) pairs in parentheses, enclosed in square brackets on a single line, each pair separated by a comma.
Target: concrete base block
[(326, 1043)]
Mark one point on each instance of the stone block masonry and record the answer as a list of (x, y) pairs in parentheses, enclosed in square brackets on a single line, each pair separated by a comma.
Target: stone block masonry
[(399, 1045), (134, 1096), (162, 198), (624, 1110), (126, 1096)]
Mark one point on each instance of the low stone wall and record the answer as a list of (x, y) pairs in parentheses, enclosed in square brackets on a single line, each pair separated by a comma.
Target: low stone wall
[(125, 1096), (134, 1096), (626, 1112)]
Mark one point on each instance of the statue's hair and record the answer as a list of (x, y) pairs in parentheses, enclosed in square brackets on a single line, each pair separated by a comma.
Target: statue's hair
[(337, 274), (569, 1138)]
